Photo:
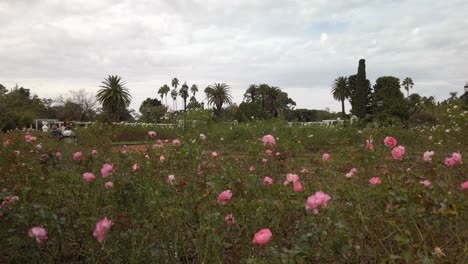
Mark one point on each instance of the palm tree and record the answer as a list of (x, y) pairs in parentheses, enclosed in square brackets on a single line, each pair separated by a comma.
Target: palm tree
[(408, 84), (174, 98), (175, 83), (161, 92), (251, 92), (183, 92), (113, 95), (194, 89), (218, 94), (166, 91), (341, 92)]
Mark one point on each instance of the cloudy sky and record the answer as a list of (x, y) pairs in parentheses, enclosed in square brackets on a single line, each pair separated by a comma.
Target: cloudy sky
[(53, 46)]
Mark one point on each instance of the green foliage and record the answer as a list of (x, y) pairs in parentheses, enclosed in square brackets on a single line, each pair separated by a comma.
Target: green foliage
[(361, 92), (387, 90), (218, 95), (114, 96), (341, 92)]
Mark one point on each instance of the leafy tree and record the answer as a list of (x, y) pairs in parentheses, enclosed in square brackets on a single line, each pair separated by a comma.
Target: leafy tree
[(387, 90), (408, 84), (153, 109), (340, 91), (218, 94), (184, 93), (193, 103), (114, 96), (361, 93)]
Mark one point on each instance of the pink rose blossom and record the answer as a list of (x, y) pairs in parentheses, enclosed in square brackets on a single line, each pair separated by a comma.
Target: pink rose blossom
[(39, 146), (77, 155), (426, 183), (268, 181), (316, 200), (58, 154), (135, 167), (464, 185), (325, 157), (264, 160), (88, 176), (449, 162), (304, 171), (214, 154), (262, 237), (176, 142), (384, 171), (349, 175), (398, 152), (375, 180), (94, 152), (353, 170), (297, 186), (170, 179), (9, 200), (269, 140), (252, 168), (291, 178), (152, 133), (229, 219), (427, 156), (224, 197), (107, 169), (162, 158), (390, 142), (101, 229), (456, 156), (39, 233), (109, 185), (268, 152), (388, 207)]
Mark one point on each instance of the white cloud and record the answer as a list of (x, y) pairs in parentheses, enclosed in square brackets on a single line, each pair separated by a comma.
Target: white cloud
[(51, 46)]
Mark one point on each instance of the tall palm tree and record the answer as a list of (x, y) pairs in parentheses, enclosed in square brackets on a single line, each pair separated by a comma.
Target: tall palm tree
[(194, 89), (161, 93), (184, 93), (251, 92), (166, 91), (218, 94), (174, 98), (341, 92), (113, 96), (408, 84), (175, 83)]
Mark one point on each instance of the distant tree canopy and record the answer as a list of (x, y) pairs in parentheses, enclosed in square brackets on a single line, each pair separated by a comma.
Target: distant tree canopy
[(392, 102), (308, 115), (361, 92), (152, 110)]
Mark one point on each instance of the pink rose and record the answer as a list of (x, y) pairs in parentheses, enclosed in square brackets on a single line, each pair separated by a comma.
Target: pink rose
[(176, 142), (101, 229), (390, 142), (135, 167), (214, 154), (88, 176), (304, 171), (162, 158), (375, 180), (109, 185), (152, 133), (264, 160), (268, 181), (326, 157), (353, 170), (427, 156), (349, 175), (449, 162), (456, 156), (291, 178), (262, 237), (398, 152), (269, 140), (94, 152), (58, 154), (426, 183), (77, 155), (252, 168), (297, 186), (316, 200), (229, 219), (170, 179), (39, 233), (464, 185), (106, 170), (269, 152), (224, 197)]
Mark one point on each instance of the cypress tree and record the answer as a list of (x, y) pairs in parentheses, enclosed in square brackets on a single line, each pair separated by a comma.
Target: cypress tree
[(361, 95)]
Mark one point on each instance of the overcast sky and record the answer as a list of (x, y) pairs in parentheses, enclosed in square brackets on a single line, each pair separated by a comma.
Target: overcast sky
[(52, 46)]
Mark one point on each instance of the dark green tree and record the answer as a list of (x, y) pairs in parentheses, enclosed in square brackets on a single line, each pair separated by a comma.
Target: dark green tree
[(194, 89), (218, 94), (361, 93), (114, 96), (392, 102), (184, 93), (407, 84), (152, 109), (340, 91)]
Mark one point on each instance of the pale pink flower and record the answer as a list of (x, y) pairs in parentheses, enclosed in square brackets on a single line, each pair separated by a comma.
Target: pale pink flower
[(269, 152), (176, 142), (152, 133), (135, 167), (398, 152), (316, 200), (214, 154), (375, 180), (39, 233), (202, 136), (291, 178), (268, 181), (88, 176), (17, 152), (224, 197), (464, 185), (77, 155), (427, 156), (9, 200), (31, 139), (27, 136), (94, 152), (58, 154), (384, 171), (229, 219), (325, 157), (438, 252), (370, 144), (170, 179), (109, 185), (252, 168), (39, 146), (297, 186), (388, 207), (349, 175), (269, 140), (449, 162), (456, 156), (107, 169), (426, 183), (390, 142), (147, 156), (264, 160), (262, 237), (353, 170), (101, 229), (162, 158)]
